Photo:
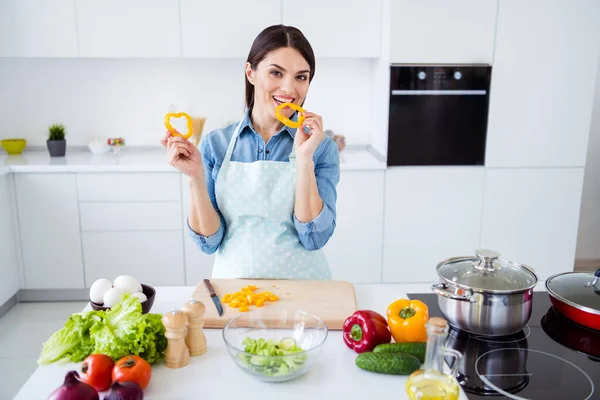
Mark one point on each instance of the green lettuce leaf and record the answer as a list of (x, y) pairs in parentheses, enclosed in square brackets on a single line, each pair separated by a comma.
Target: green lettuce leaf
[(262, 352), (72, 342), (121, 331)]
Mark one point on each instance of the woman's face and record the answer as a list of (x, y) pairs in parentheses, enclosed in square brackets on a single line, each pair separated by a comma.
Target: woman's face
[(281, 77)]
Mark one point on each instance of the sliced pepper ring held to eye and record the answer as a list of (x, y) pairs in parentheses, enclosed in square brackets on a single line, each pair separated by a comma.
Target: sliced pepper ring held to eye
[(286, 121), (175, 132)]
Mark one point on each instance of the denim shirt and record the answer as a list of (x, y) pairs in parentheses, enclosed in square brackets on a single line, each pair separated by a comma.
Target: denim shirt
[(251, 147)]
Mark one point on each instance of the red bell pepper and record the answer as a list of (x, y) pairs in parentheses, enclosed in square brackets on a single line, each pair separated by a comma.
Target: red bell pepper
[(364, 330)]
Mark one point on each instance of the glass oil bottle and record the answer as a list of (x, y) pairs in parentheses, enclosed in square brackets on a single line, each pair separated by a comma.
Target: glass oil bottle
[(432, 382)]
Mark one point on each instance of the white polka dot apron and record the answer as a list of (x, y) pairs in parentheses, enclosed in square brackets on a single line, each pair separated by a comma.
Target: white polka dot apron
[(260, 241)]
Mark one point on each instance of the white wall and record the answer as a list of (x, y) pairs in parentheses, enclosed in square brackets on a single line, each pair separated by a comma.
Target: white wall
[(100, 98), (9, 280), (588, 239)]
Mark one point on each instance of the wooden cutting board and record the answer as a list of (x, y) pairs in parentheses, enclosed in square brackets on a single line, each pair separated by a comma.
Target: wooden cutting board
[(331, 301)]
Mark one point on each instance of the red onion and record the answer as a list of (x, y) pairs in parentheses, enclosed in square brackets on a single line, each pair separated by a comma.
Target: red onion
[(73, 388), (125, 391)]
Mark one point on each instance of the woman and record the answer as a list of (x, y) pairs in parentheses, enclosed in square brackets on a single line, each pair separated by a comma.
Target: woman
[(263, 195)]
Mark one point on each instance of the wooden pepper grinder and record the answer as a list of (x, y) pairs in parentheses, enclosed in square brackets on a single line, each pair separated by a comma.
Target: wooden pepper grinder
[(177, 354), (195, 339)]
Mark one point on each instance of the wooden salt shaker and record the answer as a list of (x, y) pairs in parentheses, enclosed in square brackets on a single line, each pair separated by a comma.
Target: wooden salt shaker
[(195, 339), (177, 354)]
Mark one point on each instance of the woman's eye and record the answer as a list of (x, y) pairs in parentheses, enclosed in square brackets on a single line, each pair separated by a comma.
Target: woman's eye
[(276, 73), (302, 77)]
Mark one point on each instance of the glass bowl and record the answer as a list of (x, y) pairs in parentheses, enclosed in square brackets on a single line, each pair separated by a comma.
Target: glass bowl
[(275, 346)]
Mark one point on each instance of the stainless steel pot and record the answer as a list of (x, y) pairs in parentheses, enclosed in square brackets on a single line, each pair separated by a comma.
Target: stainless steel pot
[(485, 295)]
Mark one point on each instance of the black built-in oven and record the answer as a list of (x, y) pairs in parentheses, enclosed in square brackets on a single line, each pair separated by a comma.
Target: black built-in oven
[(438, 114)]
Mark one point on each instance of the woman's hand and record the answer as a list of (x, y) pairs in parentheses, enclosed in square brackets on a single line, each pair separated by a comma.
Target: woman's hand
[(306, 144), (183, 155)]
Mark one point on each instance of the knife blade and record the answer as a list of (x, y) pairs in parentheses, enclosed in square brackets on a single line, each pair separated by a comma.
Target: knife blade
[(214, 296)]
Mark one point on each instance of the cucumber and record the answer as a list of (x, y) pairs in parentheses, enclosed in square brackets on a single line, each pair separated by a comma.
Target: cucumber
[(417, 349), (287, 343), (388, 363)]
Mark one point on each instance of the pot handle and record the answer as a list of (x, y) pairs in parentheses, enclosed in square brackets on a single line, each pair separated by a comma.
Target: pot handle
[(440, 289)]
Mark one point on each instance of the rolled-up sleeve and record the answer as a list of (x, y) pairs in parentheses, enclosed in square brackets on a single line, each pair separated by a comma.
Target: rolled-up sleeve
[(316, 233), (208, 244)]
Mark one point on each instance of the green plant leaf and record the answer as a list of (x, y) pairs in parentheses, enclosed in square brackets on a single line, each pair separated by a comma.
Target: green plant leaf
[(56, 132)]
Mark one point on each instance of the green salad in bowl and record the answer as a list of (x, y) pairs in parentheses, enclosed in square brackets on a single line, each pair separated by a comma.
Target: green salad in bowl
[(275, 347)]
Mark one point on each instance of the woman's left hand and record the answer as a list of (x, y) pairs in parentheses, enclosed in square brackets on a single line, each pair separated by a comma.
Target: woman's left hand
[(306, 144)]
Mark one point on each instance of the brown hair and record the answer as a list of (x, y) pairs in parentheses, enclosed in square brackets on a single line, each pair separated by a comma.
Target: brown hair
[(273, 38)]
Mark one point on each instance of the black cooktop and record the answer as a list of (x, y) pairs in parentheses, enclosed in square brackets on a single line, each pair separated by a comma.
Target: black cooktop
[(551, 358)]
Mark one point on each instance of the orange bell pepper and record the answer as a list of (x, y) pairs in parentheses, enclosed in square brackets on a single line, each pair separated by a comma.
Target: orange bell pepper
[(406, 319)]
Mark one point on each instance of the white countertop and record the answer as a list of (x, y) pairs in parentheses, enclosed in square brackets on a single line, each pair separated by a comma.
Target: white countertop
[(140, 159), (215, 375)]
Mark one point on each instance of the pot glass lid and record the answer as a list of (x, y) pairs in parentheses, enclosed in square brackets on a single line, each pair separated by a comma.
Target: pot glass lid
[(580, 288), (487, 272)]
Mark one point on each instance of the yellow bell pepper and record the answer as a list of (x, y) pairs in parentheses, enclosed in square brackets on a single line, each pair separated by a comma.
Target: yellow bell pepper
[(175, 132), (287, 121), (406, 319), (246, 297)]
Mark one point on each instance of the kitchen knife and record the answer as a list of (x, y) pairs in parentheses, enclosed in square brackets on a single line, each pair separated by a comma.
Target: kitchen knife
[(214, 296)]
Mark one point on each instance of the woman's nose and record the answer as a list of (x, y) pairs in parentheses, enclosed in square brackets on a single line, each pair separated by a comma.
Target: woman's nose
[(287, 86)]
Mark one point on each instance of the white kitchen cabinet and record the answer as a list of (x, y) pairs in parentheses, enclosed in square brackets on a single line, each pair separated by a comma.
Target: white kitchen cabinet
[(9, 277), (338, 28), (129, 187), (143, 216), (133, 28), (49, 225), (442, 32), (542, 89), (531, 216), (131, 224), (37, 28), (198, 265), (154, 258), (226, 28), (431, 214), (354, 251)]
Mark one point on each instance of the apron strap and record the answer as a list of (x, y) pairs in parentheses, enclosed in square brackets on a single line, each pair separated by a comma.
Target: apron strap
[(236, 133)]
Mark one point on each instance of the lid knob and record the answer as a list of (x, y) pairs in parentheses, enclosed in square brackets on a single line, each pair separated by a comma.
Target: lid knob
[(596, 279), (486, 259)]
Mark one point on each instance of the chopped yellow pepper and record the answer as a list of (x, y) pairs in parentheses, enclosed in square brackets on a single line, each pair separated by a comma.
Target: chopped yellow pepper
[(246, 297)]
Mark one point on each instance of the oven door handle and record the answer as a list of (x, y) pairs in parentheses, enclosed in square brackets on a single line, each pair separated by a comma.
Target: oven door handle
[(438, 92)]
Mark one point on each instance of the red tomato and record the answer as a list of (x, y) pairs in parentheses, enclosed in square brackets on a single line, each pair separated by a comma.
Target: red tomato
[(96, 371), (132, 369)]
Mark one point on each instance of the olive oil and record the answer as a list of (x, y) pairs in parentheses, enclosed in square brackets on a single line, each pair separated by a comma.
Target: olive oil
[(431, 386), (432, 382)]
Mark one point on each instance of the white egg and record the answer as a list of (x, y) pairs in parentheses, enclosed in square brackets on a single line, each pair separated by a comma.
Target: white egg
[(98, 288), (140, 296), (128, 283), (112, 296)]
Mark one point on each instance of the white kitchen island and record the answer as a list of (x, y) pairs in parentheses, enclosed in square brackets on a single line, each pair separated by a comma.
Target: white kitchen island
[(214, 374)]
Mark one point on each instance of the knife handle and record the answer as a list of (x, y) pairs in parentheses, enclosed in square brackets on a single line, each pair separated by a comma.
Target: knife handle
[(210, 288)]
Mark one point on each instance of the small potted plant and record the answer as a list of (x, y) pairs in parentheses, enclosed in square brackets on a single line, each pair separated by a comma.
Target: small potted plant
[(56, 142)]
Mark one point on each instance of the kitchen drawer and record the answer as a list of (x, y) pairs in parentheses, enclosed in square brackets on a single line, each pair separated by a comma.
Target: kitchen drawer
[(130, 216), (154, 258), (137, 186)]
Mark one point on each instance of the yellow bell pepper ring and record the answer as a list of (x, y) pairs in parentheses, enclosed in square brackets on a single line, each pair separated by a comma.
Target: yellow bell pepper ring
[(286, 121), (175, 132)]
